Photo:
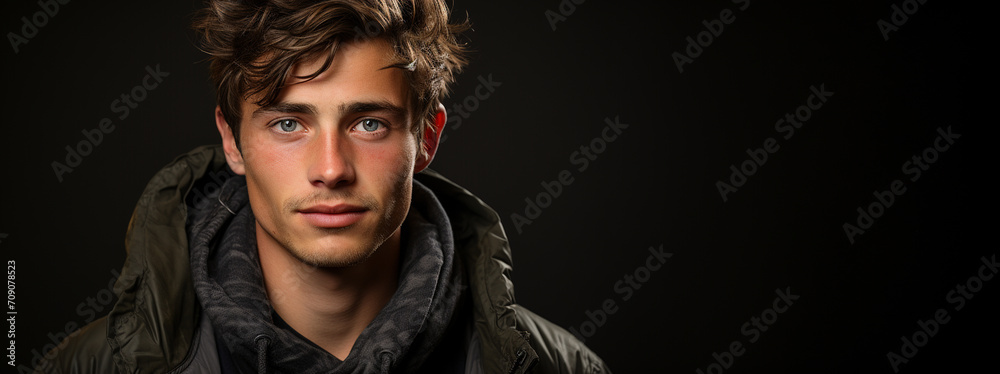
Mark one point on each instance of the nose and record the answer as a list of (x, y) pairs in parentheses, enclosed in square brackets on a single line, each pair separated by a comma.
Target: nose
[(332, 161)]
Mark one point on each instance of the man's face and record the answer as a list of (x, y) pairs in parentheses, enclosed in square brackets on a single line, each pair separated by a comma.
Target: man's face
[(329, 167)]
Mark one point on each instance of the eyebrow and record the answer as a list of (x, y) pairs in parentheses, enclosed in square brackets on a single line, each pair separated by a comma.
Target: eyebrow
[(284, 107), (371, 106)]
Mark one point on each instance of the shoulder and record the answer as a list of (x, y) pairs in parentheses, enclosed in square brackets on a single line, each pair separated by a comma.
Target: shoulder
[(558, 351), (85, 351)]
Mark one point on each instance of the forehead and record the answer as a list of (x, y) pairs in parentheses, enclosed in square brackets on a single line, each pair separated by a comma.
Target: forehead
[(360, 71)]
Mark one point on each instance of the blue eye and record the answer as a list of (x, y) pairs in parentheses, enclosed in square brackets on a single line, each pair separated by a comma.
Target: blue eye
[(287, 125), (370, 125)]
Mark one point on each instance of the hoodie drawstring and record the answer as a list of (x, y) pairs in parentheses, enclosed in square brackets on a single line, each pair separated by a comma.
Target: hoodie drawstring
[(262, 341)]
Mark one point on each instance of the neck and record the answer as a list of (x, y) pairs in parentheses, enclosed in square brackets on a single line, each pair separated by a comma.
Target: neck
[(329, 306)]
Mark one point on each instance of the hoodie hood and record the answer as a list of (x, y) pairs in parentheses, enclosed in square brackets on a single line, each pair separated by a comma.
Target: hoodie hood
[(229, 285)]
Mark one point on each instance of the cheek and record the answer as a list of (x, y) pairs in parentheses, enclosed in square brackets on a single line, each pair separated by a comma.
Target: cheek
[(265, 156), (389, 160), (389, 172), (268, 157), (266, 169)]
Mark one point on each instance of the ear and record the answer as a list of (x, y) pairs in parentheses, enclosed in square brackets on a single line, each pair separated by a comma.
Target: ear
[(233, 155), (431, 136)]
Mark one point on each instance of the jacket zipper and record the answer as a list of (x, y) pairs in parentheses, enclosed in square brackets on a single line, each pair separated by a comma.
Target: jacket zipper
[(521, 355)]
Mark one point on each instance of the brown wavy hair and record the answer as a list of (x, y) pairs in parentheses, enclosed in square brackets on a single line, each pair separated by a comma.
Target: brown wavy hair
[(253, 45)]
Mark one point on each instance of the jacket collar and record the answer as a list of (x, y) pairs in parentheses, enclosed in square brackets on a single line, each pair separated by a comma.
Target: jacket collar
[(151, 323)]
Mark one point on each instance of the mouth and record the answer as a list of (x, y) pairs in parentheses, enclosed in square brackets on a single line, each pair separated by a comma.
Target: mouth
[(333, 216)]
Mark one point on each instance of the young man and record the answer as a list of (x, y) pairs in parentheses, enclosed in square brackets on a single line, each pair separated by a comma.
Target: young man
[(324, 245)]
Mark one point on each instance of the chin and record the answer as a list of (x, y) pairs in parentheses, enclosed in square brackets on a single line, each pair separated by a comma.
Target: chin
[(338, 252)]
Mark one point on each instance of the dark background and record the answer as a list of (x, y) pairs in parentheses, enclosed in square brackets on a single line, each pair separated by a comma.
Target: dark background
[(654, 185)]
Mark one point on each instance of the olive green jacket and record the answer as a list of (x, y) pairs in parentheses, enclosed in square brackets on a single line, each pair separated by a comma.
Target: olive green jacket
[(156, 326)]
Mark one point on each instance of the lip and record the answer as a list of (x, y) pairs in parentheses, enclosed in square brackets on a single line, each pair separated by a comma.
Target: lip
[(333, 216)]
